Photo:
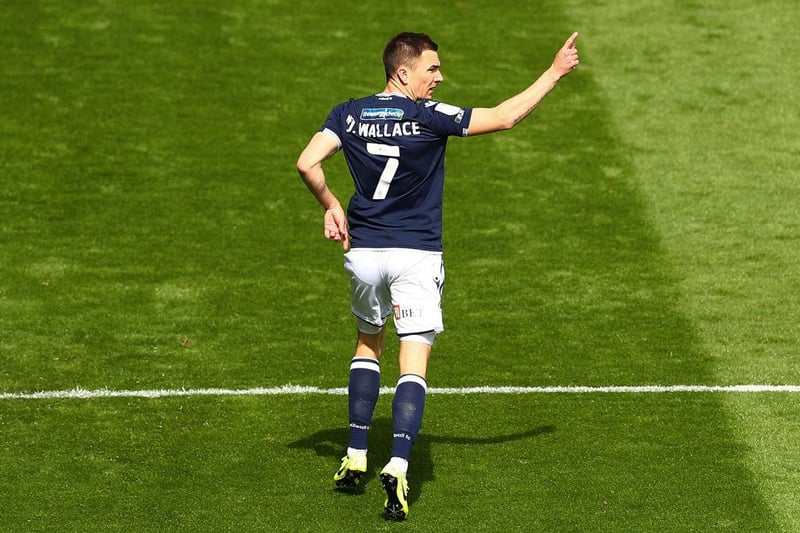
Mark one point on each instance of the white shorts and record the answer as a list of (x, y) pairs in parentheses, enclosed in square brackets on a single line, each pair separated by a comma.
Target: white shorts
[(400, 282)]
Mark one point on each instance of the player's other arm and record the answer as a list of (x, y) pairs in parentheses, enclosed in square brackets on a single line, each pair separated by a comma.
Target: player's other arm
[(510, 112), (309, 165)]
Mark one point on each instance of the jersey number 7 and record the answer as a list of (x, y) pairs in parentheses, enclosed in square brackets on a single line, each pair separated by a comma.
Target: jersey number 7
[(393, 161)]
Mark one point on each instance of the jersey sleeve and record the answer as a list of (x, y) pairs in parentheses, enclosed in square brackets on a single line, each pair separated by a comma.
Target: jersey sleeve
[(447, 119), (334, 125)]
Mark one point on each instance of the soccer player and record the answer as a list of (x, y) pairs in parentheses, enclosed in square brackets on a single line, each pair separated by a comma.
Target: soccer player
[(394, 145)]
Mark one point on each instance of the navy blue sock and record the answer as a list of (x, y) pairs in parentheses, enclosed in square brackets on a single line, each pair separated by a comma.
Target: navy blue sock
[(365, 384), (407, 408)]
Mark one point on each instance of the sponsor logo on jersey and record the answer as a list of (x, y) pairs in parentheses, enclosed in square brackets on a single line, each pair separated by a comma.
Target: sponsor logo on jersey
[(382, 113)]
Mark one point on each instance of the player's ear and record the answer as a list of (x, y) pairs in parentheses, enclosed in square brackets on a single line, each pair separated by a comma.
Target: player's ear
[(402, 74)]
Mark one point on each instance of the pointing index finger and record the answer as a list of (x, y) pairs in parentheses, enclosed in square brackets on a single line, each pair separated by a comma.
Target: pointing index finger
[(571, 41)]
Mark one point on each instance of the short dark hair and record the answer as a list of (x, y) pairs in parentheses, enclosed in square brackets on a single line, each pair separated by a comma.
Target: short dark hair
[(405, 48)]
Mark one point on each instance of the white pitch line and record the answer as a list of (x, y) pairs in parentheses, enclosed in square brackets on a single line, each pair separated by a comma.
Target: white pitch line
[(286, 390)]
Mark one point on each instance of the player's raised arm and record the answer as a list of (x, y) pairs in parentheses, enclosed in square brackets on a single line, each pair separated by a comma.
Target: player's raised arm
[(309, 165), (510, 112)]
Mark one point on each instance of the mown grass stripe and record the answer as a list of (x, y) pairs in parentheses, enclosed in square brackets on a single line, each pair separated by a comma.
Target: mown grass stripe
[(84, 394)]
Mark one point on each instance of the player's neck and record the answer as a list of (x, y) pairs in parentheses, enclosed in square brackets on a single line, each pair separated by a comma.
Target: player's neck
[(392, 86)]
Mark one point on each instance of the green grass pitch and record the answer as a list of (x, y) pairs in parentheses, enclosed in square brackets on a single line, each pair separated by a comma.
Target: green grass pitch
[(641, 228)]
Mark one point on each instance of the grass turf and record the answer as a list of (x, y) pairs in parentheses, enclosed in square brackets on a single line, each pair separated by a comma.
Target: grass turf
[(555, 463)]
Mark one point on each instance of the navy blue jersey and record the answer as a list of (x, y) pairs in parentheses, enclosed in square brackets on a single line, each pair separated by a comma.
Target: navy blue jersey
[(394, 148)]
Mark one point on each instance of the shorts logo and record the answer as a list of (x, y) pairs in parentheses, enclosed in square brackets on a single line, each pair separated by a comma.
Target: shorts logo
[(404, 312), (382, 113)]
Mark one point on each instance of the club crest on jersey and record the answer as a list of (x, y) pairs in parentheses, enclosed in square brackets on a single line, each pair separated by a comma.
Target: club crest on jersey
[(382, 113)]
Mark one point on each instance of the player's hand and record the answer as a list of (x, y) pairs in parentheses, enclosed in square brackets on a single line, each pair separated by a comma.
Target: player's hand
[(566, 59), (335, 225)]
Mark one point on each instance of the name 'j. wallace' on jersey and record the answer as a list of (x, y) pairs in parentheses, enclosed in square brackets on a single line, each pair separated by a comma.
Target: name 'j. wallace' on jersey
[(395, 149)]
